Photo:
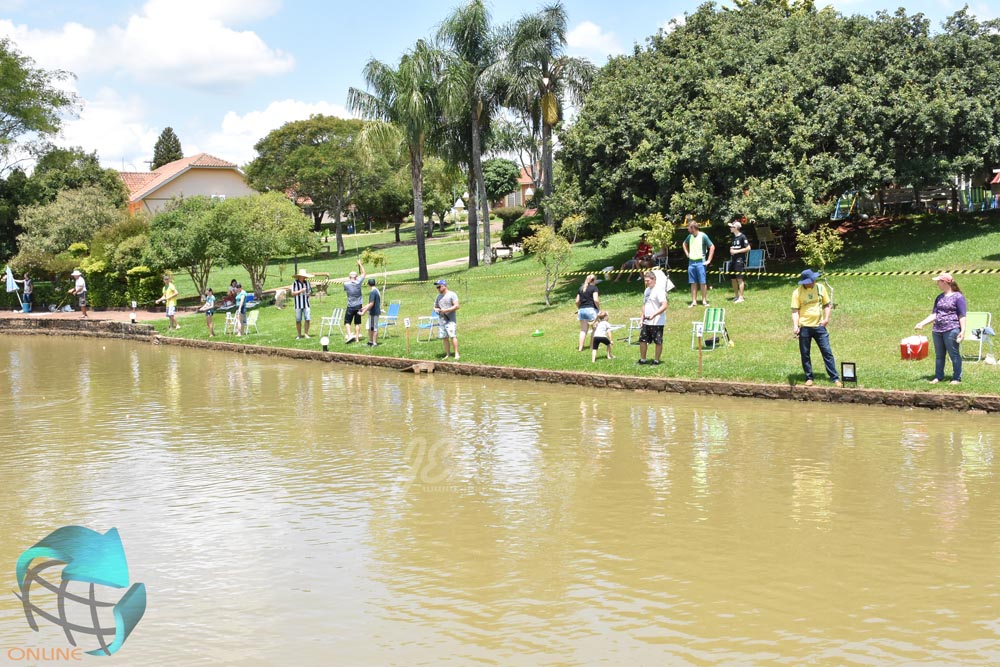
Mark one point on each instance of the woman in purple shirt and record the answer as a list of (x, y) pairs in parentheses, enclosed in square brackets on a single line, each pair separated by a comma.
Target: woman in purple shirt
[(948, 317)]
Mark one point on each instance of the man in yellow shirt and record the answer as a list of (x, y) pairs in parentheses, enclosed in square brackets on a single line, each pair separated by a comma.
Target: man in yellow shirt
[(170, 298), (811, 307)]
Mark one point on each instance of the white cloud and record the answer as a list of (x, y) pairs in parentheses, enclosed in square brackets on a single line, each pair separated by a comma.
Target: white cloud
[(66, 48), (589, 38), (182, 42), (115, 127), (238, 133)]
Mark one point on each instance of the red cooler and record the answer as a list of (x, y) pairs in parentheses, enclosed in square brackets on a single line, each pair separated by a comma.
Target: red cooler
[(913, 348)]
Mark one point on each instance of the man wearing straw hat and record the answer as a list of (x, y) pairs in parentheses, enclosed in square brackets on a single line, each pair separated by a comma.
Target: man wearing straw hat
[(80, 291), (300, 293)]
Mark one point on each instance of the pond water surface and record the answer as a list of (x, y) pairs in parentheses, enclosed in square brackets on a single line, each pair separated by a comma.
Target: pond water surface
[(299, 513)]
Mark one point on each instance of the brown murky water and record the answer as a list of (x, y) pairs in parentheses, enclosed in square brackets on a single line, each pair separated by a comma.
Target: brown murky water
[(286, 513)]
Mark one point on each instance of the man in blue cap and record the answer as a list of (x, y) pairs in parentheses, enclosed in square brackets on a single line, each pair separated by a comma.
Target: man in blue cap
[(811, 307), (445, 306)]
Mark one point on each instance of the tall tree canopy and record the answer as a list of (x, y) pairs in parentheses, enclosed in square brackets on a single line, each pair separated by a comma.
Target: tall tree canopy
[(773, 109), (316, 159), (404, 105), (31, 102), (166, 150), (541, 77)]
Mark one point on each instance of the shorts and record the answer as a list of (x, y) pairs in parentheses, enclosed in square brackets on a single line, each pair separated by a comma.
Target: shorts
[(597, 341), (372, 322), (696, 273), (353, 315), (302, 313), (82, 301), (446, 329), (587, 314), (651, 333), (209, 312), (171, 311), (737, 267)]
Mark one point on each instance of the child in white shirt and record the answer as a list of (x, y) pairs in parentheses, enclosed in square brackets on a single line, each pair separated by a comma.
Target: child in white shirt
[(602, 334)]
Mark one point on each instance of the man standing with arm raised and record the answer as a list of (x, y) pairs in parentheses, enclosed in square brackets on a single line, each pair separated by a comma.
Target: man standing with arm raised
[(445, 306), (354, 303)]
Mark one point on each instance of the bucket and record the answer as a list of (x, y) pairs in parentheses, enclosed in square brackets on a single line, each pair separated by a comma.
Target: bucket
[(25, 307), (913, 348)]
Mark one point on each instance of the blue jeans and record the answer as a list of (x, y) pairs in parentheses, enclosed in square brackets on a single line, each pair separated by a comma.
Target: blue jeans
[(822, 338), (946, 342)]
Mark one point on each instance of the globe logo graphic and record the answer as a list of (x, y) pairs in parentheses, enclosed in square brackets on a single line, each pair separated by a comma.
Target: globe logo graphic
[(72, 579)]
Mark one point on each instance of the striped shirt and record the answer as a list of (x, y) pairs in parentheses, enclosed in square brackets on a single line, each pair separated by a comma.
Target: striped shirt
[(301, 300)]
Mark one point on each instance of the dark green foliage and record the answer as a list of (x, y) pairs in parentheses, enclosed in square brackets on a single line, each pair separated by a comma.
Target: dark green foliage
[(508, 214), (500, 176), (167, 149), (773, 109), (520, 229)]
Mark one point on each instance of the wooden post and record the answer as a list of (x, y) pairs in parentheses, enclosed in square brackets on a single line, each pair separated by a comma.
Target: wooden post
[(699, 353), (406, 330)]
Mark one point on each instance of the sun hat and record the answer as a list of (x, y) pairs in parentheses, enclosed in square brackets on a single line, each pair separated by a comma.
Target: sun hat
[(945, 277), (76, 272), (441, 282), (302, 273), (808, 276)]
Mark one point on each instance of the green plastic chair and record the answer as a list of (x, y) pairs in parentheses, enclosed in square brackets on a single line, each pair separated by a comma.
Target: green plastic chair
[(975, 323), (712, 326)]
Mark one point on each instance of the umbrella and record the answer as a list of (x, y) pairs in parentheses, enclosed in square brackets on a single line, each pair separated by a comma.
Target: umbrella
[(12, 285)]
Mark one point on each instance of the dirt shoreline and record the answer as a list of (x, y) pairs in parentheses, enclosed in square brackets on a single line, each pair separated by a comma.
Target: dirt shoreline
[(117, 324)]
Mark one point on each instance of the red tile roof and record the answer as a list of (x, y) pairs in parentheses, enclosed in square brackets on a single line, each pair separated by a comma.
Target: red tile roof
[(140, 184)]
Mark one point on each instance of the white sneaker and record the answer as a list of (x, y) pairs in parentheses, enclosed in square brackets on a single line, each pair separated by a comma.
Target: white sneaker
[(457, 357)]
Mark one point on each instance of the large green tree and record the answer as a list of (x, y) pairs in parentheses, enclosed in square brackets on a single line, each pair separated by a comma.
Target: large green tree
[(59, 169), (477, 51), (74, 216), (771, 110), (500, 176), (404, 105), (32, 102), (187, 234), (259, 228), (542, 77), (167, 149), (316, 159)]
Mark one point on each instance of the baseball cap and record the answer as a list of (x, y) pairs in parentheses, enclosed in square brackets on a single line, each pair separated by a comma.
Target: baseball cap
[(945, 277), (735, 224), (441, 282), (371, 281)]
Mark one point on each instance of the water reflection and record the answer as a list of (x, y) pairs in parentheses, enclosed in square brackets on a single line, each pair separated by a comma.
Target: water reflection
[(392, 518)]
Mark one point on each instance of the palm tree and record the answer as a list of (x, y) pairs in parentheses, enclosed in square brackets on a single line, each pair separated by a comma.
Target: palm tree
[(467, 32), (541, 75), (405, 106)]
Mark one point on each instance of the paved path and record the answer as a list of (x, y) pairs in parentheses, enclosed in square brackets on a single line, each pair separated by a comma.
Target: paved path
[(123, 314)]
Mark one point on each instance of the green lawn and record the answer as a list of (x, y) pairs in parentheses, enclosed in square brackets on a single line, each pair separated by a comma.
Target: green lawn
[(503, 304)]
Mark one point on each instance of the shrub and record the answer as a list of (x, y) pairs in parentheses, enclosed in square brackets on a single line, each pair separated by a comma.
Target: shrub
[(509, 214), (820, 247), (519, 230)]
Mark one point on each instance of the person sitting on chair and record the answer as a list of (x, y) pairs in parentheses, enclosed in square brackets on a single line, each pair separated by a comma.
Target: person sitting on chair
[(643, 258)]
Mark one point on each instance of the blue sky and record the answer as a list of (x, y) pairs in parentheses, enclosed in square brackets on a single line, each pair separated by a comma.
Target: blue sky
[(223, 73)]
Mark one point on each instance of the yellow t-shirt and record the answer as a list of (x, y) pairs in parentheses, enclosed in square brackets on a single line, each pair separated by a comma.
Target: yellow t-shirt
[(810, 302), (170, 294)]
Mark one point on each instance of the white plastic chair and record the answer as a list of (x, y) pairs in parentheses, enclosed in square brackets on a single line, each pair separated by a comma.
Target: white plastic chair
[(231, 322), (252, 321), (336, 320)]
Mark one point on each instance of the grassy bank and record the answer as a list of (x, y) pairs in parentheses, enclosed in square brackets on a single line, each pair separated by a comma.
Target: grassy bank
[(503, 304)]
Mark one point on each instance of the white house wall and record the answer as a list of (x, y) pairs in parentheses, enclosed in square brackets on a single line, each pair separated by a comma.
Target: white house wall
[(207, 182)]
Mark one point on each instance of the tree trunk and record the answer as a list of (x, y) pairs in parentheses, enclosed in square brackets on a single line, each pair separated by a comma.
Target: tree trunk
[(417, 181), (396, 226), (476, 178), (547, 172), (473, 222), (339, 227)]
